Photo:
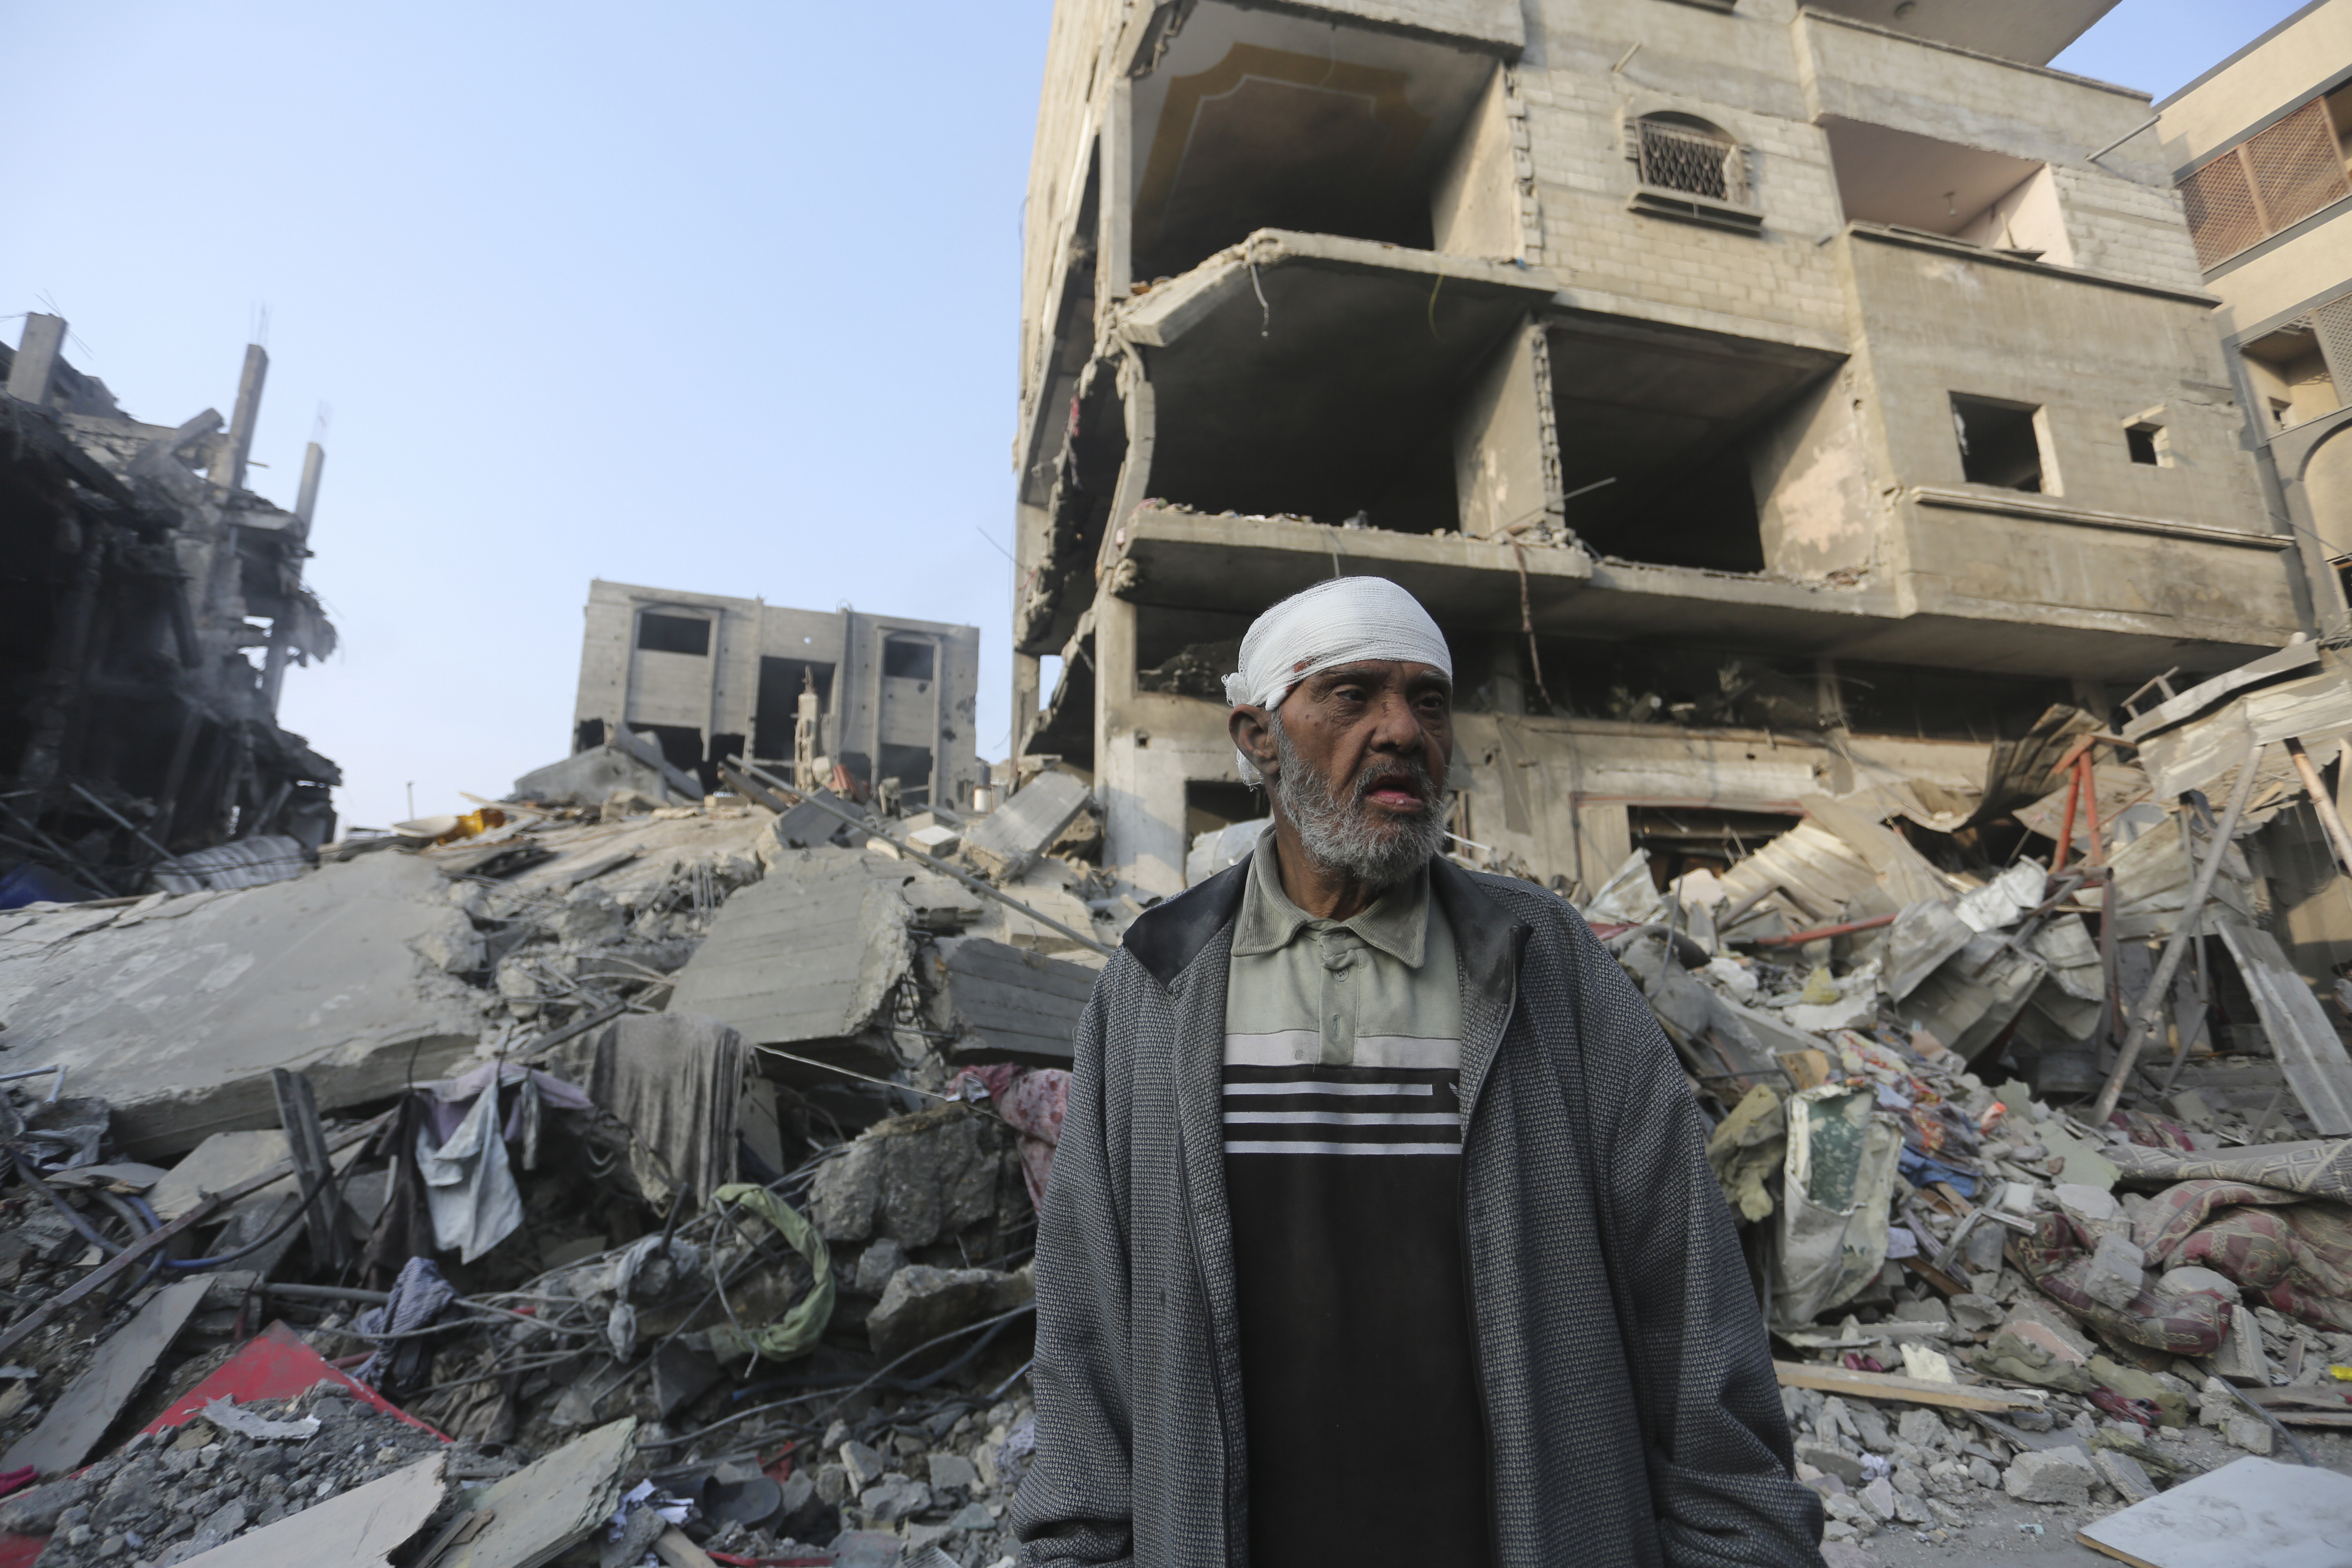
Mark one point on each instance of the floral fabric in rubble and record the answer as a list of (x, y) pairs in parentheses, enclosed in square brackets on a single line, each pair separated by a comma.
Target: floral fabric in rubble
[(1032, 1101)]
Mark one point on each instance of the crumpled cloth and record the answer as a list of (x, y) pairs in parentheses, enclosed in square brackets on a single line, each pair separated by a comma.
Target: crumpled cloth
[(1334, 623), (798, 1331), (1033, 1101), (676, 1080), (469, 1187), (418, 1297)]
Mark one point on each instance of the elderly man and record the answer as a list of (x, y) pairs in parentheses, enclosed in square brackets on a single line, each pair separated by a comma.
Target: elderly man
[(1381, 1230)]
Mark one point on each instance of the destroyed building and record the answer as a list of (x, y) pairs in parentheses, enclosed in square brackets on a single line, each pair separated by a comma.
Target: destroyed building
[(2260, 145), (1761, 396), (150, 605), (712, 677)]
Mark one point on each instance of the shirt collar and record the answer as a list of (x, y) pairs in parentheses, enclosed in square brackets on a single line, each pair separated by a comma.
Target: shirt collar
[(1397, 922)]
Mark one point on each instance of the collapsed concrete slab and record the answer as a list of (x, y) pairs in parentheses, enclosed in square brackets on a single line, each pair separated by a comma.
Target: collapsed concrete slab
[(1013, 1006), (175, 1009), (808, 958)]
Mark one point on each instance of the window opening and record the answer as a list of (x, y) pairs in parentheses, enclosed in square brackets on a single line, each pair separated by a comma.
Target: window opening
[(1682, 152), (657, 633), (2149, 444), (1999, 443), (908, 658)]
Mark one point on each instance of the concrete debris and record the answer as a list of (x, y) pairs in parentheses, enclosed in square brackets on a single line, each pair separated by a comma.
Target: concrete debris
[(710, 1095)]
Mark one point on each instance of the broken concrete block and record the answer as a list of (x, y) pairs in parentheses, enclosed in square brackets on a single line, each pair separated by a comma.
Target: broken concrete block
[(2250, 1432), (1879, 1498), (839, 914), (895, 1498), (2216, 1403), (1868, 1426), (2118, 1272), (174, 1015), (1909, 1510), (1830, 1461), (1005, 841), (2126, 1474), (863, 1466), (451, 944), (1975, 1312), (2240, 1356), (953, 1470), (916, 1179), (1921, 1429), (922, 1303), (1010, 1004), (2051, 1474), (590, 918), (876, 1264), (2095, 1210)]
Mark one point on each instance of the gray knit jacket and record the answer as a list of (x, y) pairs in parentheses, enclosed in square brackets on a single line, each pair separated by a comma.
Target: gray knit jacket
[(1632, 1412)]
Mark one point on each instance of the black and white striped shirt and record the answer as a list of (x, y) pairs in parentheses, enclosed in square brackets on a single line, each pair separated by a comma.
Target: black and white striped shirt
[(1343, 1144)]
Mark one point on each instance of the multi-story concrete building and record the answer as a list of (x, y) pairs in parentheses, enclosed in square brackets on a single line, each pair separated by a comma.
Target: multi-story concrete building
[(713, 676), (1767, 400), (2260, 145)]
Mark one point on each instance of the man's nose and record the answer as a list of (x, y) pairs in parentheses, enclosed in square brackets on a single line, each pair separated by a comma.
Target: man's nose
[(1395, 727)]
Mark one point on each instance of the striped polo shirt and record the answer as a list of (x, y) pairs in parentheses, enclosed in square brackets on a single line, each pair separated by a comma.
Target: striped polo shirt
[(1343, 1145)]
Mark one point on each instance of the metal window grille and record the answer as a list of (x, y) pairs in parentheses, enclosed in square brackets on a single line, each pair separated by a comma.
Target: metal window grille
[(2266, 184), (2332, 324), (1700, 162), (2219, 202)]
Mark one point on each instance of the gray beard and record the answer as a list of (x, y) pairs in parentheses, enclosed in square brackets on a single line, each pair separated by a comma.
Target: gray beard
[(1343, 834)]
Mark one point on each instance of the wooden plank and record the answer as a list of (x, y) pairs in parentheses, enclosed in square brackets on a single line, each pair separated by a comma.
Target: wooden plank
[(2308, 1050), (91, 1402), (1909, 1390)]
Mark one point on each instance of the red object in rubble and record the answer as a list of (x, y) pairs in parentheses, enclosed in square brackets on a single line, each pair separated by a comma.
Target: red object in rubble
[(1855, 1360), (273, 1364)]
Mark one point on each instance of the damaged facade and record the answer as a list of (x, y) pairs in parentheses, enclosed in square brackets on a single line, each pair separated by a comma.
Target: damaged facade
[(710, 677), (150, 605), (1754, 393), (2261, 145)]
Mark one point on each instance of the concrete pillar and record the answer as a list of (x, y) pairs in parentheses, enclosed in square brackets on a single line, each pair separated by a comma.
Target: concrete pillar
[(38, 352), (281, 630), (1115, 192), (1028, 681), (1142, 795), (306, 499), (229, 472)]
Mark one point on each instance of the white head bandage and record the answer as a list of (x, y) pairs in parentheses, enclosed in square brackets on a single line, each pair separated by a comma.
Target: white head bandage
[(1343, 621)]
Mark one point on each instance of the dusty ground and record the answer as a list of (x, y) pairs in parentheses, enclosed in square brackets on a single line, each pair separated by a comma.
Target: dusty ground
[(1993, 1537)]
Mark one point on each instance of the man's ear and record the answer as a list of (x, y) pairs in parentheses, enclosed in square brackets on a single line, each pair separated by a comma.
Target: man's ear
[(1252, 736)]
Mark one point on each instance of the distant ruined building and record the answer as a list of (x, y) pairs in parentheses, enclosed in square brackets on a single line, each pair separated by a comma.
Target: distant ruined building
[(149, 606)]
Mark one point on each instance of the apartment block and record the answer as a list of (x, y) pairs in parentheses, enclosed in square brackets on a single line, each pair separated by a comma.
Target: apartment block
[(713, 677), (1759, 396), (2261, 146)]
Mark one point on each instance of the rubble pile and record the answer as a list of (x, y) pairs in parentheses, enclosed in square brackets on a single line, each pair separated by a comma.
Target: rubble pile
[(2042, 1165), (671, 1164), (166, 1497)]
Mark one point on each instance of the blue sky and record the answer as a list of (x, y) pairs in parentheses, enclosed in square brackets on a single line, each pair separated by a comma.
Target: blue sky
[(714, 296)]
